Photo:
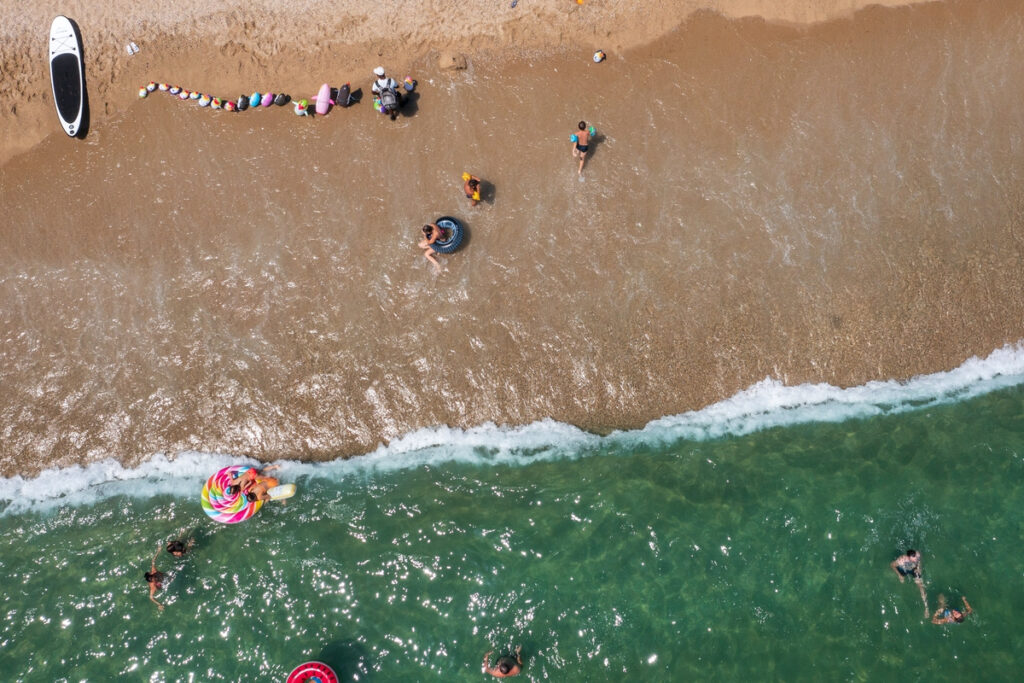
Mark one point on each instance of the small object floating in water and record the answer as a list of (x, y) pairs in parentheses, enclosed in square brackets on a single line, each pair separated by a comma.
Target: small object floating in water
[(599, 56), (312, 672)]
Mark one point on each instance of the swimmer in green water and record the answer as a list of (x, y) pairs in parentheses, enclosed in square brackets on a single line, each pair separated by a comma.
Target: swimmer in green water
[(155, 579), (909, 564), (178, 547), (505, 666), (947, 615)]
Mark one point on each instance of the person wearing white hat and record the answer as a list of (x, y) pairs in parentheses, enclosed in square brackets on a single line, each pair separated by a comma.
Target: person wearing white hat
[(382, 82), (393, 101)]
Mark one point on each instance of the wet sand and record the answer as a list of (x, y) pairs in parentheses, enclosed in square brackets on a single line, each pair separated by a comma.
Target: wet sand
[(837, 203)]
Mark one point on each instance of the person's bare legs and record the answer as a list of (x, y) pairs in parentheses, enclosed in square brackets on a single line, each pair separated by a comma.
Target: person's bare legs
[(924, 596), (429, 255), (583, 157)]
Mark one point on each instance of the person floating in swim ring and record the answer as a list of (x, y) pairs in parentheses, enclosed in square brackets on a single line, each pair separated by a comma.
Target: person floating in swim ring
[(909, 564), (581, 143), (247, 479), (947, 615), (471, 186), (431, 234), (155, 579), (505, 666)]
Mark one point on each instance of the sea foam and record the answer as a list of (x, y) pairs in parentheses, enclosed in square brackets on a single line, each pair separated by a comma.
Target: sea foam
[(768, 403)]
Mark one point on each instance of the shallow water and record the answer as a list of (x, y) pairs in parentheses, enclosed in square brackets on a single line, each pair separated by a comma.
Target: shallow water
[(837, 203), (651, 555)]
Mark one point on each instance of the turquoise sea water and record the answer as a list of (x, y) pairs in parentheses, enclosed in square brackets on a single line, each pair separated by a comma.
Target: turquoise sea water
[(750, 541)]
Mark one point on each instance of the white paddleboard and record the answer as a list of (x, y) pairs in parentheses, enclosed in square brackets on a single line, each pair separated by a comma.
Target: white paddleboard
[(281, 492), (66, 75)]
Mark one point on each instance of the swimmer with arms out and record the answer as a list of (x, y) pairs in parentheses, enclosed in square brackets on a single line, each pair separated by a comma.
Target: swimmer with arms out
[(505, 666), (431, 234), (155, 579), (947, 615), (909, 564)]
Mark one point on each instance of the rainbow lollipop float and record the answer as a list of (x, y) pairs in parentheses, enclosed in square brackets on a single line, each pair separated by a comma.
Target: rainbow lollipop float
[(222, 506)]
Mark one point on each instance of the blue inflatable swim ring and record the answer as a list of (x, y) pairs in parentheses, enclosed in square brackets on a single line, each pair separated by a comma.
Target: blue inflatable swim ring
[(453, 234)]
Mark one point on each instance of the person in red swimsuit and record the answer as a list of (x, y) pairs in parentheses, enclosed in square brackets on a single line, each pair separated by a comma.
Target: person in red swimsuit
[(246, 480)]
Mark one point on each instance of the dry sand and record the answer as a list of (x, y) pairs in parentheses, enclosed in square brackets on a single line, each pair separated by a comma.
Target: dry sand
[(215, 44)]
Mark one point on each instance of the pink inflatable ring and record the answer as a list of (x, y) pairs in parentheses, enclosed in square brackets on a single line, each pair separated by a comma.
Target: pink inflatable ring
[(314, 672)]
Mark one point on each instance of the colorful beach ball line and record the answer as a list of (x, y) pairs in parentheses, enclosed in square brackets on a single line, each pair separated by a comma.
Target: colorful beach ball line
[(203, 100), (224, 507)]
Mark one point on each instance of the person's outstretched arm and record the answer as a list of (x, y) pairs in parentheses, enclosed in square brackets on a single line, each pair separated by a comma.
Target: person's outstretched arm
[(967, 606)]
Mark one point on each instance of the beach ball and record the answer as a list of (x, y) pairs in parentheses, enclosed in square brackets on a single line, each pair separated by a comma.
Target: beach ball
[(174, 90), (164, 87), (143, 92), (229, 106), (151, 86), (184, 94), (204, 100), (194, 95), (599, 56)]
